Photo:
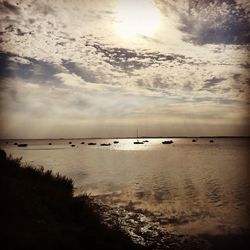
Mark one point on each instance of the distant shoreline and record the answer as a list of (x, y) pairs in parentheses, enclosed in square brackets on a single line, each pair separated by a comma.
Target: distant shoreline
[(129, 137)]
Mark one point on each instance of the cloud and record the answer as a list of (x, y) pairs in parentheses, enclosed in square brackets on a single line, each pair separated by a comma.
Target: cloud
[(212, 82), (27, 68), (45, 9), (7, 7), (85, 74), (216, 22), (210, 22), (129, 60), (62, 61), (236, 77), (71, 80)]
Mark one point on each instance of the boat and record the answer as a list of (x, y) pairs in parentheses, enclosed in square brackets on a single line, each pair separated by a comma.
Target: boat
[(91, 143), (167, 142), (138, 142), (70, 142), (105, 144), (211, 141), (115, 142), (50, 143), (73, 145), (145, 141), (194, 140), (83, 142), (22, 145), (15, 143)]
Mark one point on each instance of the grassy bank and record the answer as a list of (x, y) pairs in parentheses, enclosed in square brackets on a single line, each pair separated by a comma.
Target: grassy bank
[(38, 211)]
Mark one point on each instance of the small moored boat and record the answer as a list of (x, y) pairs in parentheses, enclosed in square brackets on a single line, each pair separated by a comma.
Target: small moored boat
[(138, 142), (22, 145), (105, 144), (115, 142), (167, 142), (91, 143)]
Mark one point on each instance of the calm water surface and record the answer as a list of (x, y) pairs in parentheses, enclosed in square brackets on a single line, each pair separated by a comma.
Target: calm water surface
[(193, 187)]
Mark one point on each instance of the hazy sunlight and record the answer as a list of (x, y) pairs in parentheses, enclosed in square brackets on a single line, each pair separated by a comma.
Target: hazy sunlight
[(135, 18)]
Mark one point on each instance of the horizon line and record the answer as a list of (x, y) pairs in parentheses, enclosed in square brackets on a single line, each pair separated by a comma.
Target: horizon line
[(130, 137)]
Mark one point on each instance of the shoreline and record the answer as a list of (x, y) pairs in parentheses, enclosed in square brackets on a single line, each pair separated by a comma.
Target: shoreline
[(144, 228)]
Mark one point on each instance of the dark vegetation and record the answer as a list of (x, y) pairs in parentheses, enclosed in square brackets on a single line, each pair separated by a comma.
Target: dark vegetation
[(39, 211)]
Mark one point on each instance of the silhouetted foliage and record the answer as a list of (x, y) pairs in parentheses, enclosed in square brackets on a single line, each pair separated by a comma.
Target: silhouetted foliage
[(39, 211)]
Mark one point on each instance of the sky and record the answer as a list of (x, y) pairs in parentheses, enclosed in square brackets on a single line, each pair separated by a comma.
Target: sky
[(89, 68)]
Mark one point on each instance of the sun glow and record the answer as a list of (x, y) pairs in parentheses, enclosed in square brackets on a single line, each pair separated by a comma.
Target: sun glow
[(137, 17)]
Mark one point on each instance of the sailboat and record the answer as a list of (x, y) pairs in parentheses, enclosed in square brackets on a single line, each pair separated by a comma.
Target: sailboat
[(138, 142)]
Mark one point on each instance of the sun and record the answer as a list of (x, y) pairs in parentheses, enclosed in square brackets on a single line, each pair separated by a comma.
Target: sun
[(136, 17)]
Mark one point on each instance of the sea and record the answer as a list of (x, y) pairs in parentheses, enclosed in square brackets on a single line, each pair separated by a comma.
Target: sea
[(191, 187)]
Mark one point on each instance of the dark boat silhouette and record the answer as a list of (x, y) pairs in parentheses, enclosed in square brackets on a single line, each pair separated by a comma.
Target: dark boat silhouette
[(105, 144), (194, 140), (70, 142), (83, 142), (167, 142), (15, 143), (73, 145), (211, 141), (22, 145), (91, 143), (145, 141), (50, 143), (138, 142), (115, 142)]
